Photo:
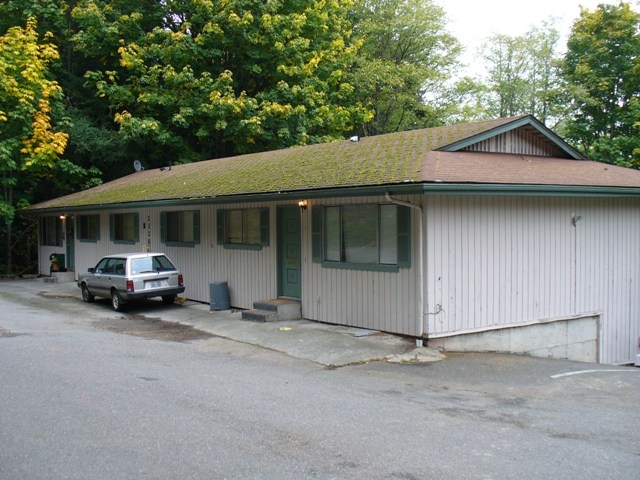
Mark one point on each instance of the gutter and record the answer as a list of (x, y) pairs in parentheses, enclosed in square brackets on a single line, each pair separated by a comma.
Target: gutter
[(421, 303), (408, 188), (522, 189)]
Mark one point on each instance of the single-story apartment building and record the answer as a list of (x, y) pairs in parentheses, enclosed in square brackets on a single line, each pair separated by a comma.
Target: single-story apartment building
[(487, 236)]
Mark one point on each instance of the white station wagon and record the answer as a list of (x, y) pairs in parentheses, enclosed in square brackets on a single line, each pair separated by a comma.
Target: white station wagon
[(132, 276)]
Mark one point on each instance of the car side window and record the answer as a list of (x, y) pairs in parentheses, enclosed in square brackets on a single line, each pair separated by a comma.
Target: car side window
[(102, 265), (109, 267), (119, 266)]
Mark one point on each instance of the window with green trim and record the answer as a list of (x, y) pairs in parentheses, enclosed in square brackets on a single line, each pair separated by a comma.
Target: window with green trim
[(361, 235), (51, 231), (248, 227), (123, 227), (180, 228), (88, 228)]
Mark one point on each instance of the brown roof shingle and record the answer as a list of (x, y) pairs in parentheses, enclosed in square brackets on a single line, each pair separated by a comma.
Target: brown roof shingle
[(499, 168)]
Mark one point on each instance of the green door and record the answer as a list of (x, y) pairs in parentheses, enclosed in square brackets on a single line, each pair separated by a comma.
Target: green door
[(289, 252), (71, 245)]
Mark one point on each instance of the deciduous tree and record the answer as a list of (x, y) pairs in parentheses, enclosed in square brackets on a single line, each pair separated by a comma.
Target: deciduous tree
[(29, 143), (522, 74), (602, 72), (405, 63), (219, 78)]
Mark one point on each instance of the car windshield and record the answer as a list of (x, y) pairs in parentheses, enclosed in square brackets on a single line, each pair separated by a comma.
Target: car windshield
[(158, 263)]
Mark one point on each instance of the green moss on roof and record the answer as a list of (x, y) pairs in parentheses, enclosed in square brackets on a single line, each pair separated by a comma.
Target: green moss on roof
[(384, 159)]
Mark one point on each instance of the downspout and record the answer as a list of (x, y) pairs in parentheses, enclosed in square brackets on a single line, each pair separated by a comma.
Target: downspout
[(420, 260)]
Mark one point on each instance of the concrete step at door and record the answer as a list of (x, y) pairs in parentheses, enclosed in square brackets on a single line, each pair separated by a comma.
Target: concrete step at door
[(273, 310)]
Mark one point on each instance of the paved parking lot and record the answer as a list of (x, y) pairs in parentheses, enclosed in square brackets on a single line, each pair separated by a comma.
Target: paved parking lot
[(90, 393)]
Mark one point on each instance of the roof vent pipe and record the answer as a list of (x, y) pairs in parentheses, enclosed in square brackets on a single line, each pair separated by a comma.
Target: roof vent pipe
[(420, 262)]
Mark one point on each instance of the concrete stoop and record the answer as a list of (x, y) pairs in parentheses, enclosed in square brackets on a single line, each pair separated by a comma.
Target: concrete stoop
[(273, 310), (60, 277)]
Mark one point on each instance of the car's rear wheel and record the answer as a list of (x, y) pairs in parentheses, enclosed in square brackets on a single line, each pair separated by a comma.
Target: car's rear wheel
[(116, 300), (86, 294), (168, 299)]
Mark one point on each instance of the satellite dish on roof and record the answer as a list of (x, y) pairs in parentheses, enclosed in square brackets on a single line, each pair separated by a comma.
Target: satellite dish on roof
[(137, 165)]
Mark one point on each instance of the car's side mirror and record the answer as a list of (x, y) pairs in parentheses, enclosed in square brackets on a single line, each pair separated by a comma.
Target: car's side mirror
[(91, 270)]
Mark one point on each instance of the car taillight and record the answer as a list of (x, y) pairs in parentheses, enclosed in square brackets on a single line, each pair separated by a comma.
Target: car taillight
[(180, 281), (129, 285)]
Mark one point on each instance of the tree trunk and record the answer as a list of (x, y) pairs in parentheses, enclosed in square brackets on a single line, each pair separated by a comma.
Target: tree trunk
[(9, 258)]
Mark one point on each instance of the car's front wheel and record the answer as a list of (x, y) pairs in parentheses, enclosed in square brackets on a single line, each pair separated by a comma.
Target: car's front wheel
[(86, 294), (168, 299), (116, 300)]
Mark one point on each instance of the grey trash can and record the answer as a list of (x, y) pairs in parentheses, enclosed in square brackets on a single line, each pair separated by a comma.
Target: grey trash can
[(219, 296)]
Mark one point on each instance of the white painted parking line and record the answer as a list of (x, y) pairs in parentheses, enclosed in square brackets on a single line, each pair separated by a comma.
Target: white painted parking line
[(580, 372)]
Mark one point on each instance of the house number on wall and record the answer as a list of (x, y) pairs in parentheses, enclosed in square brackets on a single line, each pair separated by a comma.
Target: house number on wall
[(148, 247)]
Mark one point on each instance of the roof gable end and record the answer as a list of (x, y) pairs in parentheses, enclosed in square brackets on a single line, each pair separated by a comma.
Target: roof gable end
[(522, 136)]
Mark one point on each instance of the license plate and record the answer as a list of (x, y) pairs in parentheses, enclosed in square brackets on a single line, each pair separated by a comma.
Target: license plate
[(156, 284)]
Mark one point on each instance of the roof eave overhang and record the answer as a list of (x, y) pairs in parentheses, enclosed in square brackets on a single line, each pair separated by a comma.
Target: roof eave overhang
[(427, 188), (529, 190)]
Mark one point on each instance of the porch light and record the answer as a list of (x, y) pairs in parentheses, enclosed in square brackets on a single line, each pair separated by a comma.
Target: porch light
[(303, 204)]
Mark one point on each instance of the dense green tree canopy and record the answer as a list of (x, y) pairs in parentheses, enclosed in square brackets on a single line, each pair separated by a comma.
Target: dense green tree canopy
[(209, 79), (404, 64), (602, 73)]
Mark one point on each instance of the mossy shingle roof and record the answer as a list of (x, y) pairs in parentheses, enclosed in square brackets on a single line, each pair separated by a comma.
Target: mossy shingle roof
[(396, 158)]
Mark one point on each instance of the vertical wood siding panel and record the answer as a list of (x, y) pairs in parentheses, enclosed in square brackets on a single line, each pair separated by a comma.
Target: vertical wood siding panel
[(442, 256), (433, 285), (467, 262), (485, 273), (454, 242), (516, 142), (493, 263), (519, 275), (515, 247), (619, 269), (368, 299), (536, 265)]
